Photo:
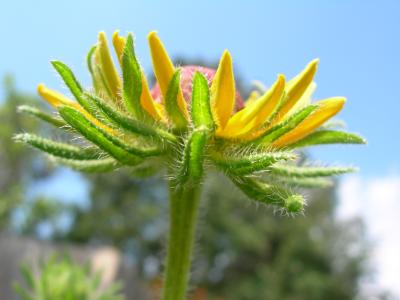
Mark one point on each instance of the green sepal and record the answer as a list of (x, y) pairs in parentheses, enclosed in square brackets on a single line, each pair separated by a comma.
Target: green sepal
[(92, 133), (119, 119), (33, 111), (301, 172), (247, 164), (72, 83), (58, 149), (89, 166), (323, 137), (200, 106), (284, 127), (171, 104), (132, 80), (89, 62), (140, 151), (302, 182), (192, 165), (269, 194)]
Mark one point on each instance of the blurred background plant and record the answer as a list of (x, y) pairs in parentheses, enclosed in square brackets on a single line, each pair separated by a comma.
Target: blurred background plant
[(61, 279)]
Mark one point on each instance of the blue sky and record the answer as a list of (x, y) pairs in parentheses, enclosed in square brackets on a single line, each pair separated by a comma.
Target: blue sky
[(357, 41)]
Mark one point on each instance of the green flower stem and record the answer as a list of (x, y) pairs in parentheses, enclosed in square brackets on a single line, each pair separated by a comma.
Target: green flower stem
[(184, 202)]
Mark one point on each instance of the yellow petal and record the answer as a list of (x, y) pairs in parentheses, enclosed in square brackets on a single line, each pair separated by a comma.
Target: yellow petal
[(54, 98), (223, 91), (147, 102), (119, 45), (107, 67), (304, 100), (256, 113), (296, 88), (326, 110), (164, 69), (57, 99)]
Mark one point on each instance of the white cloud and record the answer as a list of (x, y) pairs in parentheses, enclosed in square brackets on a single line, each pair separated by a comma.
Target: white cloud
[(377, 201)]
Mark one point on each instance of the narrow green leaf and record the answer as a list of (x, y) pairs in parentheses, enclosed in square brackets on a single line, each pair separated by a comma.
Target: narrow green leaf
[(323, 137), (284, 127), (33, 111), (200, 109), (247, 164), (132, 125), (55, 148), (90, 166), (93, 134), (295, 171), (269, 194), (171, 103), (72, 83), (132, 80)]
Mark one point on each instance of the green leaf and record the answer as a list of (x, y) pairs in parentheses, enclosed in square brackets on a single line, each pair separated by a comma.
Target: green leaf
[(90, 166), (247, 164), (171, 103), (322, 137), (92, 133), (269, 194), (72, 83), (33, 111), (284, 127), (294, 171), (132, 80), (135, 126), (200, 109), (55, 148)]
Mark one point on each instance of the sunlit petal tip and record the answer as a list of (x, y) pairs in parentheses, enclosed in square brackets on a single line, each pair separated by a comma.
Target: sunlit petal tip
[(54, 98), (119, 44), (334, 102), (223, 90)]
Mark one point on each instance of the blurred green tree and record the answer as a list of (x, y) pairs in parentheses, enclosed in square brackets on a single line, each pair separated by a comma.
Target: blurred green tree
[(20, 167)]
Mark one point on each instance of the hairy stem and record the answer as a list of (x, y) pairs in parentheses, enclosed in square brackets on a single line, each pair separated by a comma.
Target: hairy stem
[(184, 202)]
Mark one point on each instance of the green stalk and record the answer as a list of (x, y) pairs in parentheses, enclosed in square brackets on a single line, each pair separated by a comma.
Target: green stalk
[(184, 202)]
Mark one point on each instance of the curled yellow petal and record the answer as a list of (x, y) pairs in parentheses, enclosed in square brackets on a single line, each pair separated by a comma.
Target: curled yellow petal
[(57, 99), (223, 91), (296, 88), (164, 69), (326, 110), (107, 67), (256, 113), (119, 45)]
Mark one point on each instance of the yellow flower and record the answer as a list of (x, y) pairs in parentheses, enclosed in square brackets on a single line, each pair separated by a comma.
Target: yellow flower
[(259, 114)]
